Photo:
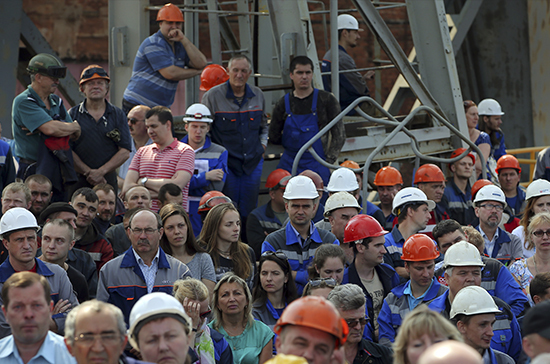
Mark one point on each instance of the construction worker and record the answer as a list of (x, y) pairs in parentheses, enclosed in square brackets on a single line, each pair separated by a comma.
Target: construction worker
[(388, 182), (343, 179), (509, 175), (339, 209), (300, 238), (495, 277), (431, 180), (489, 204), (312, 328), (419, 254), (474, 312), (213, 75), (210, 160), (157, 314), (368, 270), (163, 59), (490, 120), (300, 115), (457, 197), (354, 165), (463, 266), (270, 217), (412, 208)]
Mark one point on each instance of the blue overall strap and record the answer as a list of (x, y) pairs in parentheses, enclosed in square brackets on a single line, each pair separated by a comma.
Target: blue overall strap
[(314, 103), (287, 104)]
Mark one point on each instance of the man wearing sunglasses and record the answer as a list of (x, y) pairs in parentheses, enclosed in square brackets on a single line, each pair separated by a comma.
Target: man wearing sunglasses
[(105, 142), (350, 301), (163, 59), (489, 204), (38, 113)]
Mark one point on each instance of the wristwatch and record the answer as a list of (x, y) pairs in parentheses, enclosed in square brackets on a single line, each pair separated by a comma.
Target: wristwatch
[(143, 181)]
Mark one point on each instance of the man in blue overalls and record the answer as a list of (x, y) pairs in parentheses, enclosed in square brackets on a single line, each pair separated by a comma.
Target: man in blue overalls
[(299, 116)]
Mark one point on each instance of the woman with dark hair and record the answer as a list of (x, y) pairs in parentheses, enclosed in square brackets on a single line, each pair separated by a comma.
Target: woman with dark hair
[(274, 288), (179, 241), (479, 138), (220, 236), (251, 340), (329, 262)]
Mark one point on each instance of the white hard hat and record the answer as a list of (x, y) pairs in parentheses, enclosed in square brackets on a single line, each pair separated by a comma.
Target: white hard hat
[(489, 107), (300, 187), (340, 200), (490, 193), (539, 187), (17, 218), (462, 254), (346, 21), (155, 305), (342, 179), (473, 300), (198, 112), (409, 195)]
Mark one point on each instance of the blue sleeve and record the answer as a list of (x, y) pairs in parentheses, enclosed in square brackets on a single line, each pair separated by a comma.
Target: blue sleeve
[(302, 277), (198, 181), (483, 138), (386, 333), (501, 148), (325, 67), (515, 344), (266, 247), (508, 290), (223, 351)]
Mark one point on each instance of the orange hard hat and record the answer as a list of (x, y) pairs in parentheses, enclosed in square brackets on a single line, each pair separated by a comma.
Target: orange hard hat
[(388, 176), (478, 185), (91, 72), (362, 227), (317, 313), (170, 12), (418, 248), (278, 178), (428, 173), (350, 164), (507, 161), (213, 75), (459, 151), (211, 199)]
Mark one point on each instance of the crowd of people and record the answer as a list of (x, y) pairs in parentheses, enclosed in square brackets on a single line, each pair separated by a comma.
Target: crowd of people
[(136, 246)]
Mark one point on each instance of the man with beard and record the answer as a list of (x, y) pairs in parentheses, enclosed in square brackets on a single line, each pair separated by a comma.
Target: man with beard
[(457, 197), (143, 269), (431, 180), (88, 237), (106, 207), (349, 300), (41, 192), (490, 120), (489, 204), (388, 182)]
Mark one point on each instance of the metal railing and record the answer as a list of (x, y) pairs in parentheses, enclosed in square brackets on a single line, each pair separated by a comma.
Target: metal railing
[(531, 161)]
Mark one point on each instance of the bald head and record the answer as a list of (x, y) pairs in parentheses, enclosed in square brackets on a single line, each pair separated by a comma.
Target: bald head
[(450, 352)]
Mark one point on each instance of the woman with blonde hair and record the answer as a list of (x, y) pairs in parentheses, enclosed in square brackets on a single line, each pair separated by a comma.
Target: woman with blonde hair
[(179, 241), (209, 345), (220, 236), (251, 340), (421, 328)]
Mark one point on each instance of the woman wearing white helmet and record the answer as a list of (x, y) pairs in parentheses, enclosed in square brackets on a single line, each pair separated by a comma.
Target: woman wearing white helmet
[(538, 200)]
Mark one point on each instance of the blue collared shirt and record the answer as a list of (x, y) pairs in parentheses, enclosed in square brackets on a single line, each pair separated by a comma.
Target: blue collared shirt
[(413, 302), (52, 351), (149, 272)]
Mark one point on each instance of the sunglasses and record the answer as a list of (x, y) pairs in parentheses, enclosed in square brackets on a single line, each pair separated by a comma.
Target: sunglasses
[(353, 322), (279, 254), (90, 72), (328, 282), (205, 314), (56, 72)]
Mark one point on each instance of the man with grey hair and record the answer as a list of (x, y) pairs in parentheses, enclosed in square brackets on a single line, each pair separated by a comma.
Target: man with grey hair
[(350, 301), (240, 125), (57, 241), (97, 320)]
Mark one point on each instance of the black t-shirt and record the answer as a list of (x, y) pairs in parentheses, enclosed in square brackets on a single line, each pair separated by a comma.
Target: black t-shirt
[(80, 286)]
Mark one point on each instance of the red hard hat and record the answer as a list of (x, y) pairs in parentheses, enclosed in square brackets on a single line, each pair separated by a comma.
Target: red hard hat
[(388, 176), (362, 227), (478, 185), (459, 151), (213, 75), (429, 173), (508, 161), (170, 12), (350, 164), (418, 248), (276, 178), (317, 313), (211, 199)]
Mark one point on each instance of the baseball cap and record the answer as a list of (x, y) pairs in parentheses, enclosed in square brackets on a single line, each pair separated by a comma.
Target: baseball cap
[(537, 320)]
